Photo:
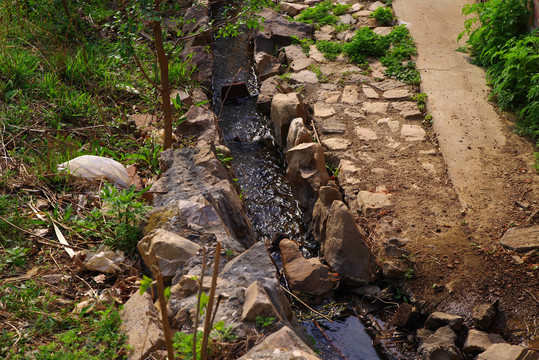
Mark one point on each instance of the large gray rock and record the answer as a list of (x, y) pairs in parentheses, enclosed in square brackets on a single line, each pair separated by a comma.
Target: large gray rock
[(521, 239), (200, 122), (293, 52), (292, 9), (278, 32), (308, 276), (440, 345), (257, 303), (346, 249), (192, 173), (438, 319), (281, 345), (170, 250), (298, 134), (508, 352), (285, 108), (326, 196), (268, 89), (306, 172), (141, 324), (478, 341), (266, 65)]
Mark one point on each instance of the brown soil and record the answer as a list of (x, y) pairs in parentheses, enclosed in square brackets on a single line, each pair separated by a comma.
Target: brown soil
[(454, 195)]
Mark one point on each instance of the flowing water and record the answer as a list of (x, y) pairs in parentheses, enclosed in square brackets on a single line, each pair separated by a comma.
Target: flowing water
[(261, 173)]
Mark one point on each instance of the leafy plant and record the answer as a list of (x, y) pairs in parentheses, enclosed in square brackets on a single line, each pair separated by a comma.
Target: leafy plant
[(330, 49), (499, 39), (305, 44), (366, 43), (421, 99), (427, 121), (384, 15), (264, 322), (225, 160), (324, 13), (116, 223)]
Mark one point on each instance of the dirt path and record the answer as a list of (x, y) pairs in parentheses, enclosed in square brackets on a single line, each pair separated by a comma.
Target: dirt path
[(485, 159)]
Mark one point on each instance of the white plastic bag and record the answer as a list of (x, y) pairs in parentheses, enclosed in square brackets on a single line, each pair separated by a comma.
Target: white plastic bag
[(93, 167)]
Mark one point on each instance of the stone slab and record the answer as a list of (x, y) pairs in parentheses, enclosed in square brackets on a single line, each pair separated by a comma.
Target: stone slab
[(521, 239), (413, 133)]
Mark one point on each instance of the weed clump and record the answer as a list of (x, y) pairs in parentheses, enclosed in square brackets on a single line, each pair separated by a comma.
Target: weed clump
[(503, 43), (383, 15), (325, 13)]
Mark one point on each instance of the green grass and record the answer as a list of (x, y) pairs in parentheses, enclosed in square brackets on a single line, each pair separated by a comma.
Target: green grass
[(50, 331)]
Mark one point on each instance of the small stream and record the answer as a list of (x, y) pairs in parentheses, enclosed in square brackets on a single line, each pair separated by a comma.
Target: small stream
[(261, 173)]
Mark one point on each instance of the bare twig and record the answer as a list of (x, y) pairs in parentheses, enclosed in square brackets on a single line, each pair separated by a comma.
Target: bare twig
[(42, 238), (200, 282), (207, 323), (533, 296), (327, 337), (315, 132), (18, 334), (146, 75), (163, 305), (307, 306)]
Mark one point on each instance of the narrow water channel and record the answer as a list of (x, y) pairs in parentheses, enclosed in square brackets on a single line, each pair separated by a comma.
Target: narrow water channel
[(261, 173), (258, 164)]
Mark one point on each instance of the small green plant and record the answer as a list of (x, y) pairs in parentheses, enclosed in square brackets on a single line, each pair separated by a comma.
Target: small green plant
[(384, 15), (305, 44), (333, 170), (330, 49), (421, 100), (225, 160), (324, 13), (316, 69), (340, 27), (264, 322), (427, 121), (366, 43), (117, 222), (409, 274), (13, 257)]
